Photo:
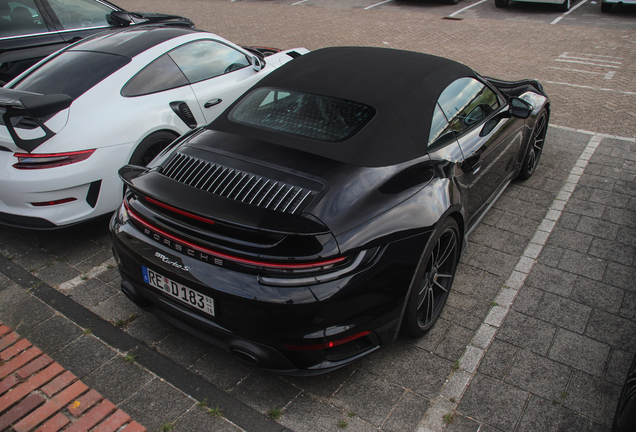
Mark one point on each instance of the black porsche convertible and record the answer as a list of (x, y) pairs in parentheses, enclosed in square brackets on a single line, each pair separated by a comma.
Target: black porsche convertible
[(326, 209)]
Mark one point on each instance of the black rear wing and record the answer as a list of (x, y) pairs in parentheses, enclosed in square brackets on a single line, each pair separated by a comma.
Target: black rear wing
[(38, 107), (148, 183), (517, 88)]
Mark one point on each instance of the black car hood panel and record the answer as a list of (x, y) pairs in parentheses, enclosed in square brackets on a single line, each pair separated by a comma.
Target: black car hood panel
[(154, 185), (350, 195)]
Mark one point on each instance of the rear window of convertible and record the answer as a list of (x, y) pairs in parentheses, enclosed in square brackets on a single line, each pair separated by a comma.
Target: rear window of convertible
[(307, 115)]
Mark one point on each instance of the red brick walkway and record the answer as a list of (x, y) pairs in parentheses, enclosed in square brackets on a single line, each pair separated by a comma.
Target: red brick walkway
[(37, 394)]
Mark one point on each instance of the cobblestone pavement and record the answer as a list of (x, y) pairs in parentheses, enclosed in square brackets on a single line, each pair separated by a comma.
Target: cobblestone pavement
[(37, 392), (541, 324)]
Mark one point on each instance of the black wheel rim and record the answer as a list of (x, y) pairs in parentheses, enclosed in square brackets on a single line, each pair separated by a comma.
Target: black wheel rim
[(153, 150), (437, 280), (534, 153)]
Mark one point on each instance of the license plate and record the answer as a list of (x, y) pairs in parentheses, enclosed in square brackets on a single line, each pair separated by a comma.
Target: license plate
[(180, 292)]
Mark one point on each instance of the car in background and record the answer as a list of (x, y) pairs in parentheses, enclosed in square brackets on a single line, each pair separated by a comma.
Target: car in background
[(70, 122), (564, 5), (326, 209), (32, 29), (607, 5)]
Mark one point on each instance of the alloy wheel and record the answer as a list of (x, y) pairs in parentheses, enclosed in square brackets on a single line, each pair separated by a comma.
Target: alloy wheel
[(536, 148), (437, 280)]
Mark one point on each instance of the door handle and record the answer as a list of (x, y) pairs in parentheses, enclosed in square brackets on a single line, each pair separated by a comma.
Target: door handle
[(211, 103)]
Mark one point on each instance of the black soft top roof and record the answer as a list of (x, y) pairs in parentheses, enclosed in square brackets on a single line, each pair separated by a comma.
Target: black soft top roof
[(130, 41), (402, 86)]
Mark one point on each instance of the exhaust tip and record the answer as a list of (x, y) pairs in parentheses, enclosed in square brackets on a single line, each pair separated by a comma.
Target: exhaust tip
[(245, 356)]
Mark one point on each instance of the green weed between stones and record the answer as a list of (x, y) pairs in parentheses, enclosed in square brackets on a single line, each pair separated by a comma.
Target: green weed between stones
[(448, 418), (275, 413)]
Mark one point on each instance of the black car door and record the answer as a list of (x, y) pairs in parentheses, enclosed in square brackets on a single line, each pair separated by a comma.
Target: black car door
[(489, 142), (77, 19), (27, 34)]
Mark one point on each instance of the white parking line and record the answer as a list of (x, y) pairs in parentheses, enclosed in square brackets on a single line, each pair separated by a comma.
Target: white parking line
[(458, 381), (586, 63), (467, 7), (299, 2), (577, 70), (567, 54), (591, 88), (64, 287), (569, 12), (606, 75), (590, 57), (377, 4)]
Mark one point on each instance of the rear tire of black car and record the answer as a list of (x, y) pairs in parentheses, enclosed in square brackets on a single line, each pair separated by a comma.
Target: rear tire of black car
[(501, 3), (433, 280), (606, 7), (451, 2), (151, 146), (535, 147), (565, 6)]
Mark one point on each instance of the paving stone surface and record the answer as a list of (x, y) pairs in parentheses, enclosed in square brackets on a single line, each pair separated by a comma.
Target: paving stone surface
[(36, 392), (556, 360)]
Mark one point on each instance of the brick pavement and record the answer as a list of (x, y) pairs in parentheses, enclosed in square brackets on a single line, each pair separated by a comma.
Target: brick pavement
[(38, 394)]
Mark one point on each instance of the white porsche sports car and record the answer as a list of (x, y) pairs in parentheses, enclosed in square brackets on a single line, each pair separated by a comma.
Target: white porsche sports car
[(71, 121)]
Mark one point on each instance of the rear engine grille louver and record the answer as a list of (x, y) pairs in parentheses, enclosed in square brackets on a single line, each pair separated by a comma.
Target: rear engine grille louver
[(236, 184)]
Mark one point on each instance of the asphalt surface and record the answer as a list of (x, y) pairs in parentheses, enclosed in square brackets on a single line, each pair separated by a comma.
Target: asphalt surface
[(541, 323)]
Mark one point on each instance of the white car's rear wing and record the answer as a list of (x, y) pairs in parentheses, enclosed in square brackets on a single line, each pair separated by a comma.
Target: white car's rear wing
[(16, 103)]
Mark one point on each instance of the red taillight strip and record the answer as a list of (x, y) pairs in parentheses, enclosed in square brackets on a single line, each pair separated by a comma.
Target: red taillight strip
[(50, 155), (326, 345), (50, 203), (229, 257), (57, 159), (181, 212)]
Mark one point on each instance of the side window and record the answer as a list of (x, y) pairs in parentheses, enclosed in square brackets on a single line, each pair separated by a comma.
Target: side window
[(466, 102), (20, 18), (206, 59), (441, 131), (162, 74), (77, 14)]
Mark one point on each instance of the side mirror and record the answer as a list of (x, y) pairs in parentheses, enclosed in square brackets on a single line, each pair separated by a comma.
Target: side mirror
[(122, 18), (257, 63), (520, 108)]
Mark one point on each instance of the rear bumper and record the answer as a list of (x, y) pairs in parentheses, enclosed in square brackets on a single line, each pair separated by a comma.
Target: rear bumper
[(245, 350), (85, 190), (257, 323)]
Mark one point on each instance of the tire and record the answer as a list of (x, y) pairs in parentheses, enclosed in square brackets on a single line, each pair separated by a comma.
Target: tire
[(451, 2), (606, 7), (433, 280), (565, 6), (535, 147), (501, 3), (625, 415), (151, 146)]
